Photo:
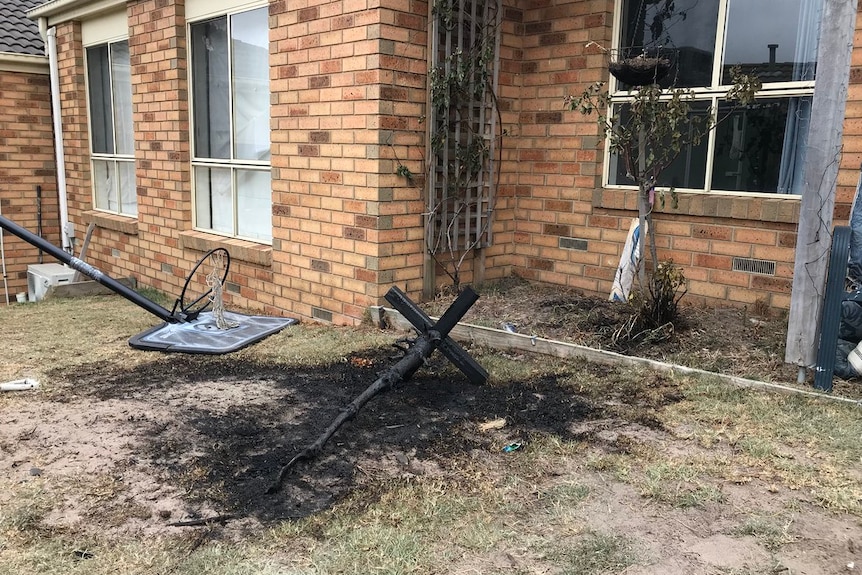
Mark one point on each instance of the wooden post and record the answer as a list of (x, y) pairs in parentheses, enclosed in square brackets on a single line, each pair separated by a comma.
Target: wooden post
[(814, 232)]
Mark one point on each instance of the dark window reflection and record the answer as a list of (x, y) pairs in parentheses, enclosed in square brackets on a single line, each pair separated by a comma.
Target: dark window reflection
[(688, 170), (684, 30), (774, 39), (761, 148)]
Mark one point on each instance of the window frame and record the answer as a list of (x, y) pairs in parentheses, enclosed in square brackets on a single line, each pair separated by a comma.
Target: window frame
[(233, 164), (111, 159), (712, 95)]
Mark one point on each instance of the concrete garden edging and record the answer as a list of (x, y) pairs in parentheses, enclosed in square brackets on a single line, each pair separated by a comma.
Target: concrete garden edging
[(383, 317)]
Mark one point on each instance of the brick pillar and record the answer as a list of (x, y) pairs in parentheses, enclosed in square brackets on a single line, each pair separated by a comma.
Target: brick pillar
[(348, 85), (157, 47)]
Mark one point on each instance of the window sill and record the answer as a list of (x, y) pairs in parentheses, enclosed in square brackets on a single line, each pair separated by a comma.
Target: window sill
[(241, 250), (115, 222), (778, 208)]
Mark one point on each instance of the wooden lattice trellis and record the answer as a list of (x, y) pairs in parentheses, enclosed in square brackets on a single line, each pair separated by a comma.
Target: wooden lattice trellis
[(463, 123)]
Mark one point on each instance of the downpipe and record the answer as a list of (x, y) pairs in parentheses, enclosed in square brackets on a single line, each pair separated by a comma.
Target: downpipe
[(50, 36)]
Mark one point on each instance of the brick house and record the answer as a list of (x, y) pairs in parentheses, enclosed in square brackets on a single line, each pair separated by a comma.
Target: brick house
[(283, 132), (26, 142)]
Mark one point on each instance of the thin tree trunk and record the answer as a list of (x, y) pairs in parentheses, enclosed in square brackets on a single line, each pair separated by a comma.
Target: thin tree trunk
[(642, 207)]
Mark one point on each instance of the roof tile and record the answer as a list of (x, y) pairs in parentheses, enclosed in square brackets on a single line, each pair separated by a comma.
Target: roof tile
[(18, 33)]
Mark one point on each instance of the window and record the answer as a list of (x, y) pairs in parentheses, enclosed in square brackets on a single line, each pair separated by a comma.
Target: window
[(759, 148), (230, 102), (111, 131)]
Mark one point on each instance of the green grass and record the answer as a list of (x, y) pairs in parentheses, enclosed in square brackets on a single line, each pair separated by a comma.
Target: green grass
[(804, 442)]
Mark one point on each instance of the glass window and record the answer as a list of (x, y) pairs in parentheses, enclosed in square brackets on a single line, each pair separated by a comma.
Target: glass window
[(688, 27), (230, 101), (109, 84), (759, 148)]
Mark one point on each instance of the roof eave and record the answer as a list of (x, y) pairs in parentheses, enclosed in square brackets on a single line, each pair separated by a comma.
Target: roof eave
[(23, 63), (57, 11)]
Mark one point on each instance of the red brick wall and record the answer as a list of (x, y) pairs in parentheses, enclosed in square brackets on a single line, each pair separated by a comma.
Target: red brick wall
[(348, 96), (26, 161), (552, 164), (556, 168), (157, 49), (348, 83)]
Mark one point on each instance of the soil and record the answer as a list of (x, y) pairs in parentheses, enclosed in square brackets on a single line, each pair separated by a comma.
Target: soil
[(204, 436), (186, 438), (744, 341)]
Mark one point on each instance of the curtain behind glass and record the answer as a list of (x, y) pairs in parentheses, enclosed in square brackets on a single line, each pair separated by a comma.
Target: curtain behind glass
[(105, 185), (254, 204), (805, 59), (211, 89), (792, 168), (128, 189), (121, 82), (213, 199), (101, 112), (250, 65)]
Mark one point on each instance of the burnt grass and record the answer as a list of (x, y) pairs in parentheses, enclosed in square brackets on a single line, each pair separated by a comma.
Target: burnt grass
[(227, 453)]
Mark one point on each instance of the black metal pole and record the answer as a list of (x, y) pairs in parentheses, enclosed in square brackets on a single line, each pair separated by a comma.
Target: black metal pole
[(89, 271), (39, 216)]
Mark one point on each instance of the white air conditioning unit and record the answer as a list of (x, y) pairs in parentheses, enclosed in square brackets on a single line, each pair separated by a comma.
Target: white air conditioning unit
[(40, 277)]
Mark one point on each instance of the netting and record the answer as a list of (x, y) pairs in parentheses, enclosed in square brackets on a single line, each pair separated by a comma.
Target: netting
[(214, 281)]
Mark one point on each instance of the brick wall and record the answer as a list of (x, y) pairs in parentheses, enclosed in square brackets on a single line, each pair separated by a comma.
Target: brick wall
[(553, 164), (157, 51), (348, 83), (348, 96), (26, 161), (570, 231)]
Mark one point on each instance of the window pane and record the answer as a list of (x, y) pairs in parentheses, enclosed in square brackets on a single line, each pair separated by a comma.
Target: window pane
[(211, 89), (775, 39), (213, 201), (121, 81), (759, 150), (685, 27), (688, 170), (105, 185), (254, 204), (99, 84), (250, 65), (128, 189)]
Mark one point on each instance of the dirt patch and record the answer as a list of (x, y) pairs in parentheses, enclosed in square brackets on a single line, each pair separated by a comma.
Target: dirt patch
[(189, 437)]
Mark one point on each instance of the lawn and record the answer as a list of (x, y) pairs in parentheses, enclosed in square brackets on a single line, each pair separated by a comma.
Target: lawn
[(125, 461)]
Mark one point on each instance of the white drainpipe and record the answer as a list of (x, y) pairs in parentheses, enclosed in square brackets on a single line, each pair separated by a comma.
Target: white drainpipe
[(50, 37)]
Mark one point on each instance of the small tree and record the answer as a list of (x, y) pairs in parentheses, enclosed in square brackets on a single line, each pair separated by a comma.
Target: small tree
[(656, 127)]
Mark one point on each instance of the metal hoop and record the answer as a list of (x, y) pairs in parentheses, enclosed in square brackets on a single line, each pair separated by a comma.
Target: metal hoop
[(188, 308)]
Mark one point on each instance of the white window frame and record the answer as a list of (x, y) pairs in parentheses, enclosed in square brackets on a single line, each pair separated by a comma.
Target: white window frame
[(712, 96), (233, 164), (112, 159)]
